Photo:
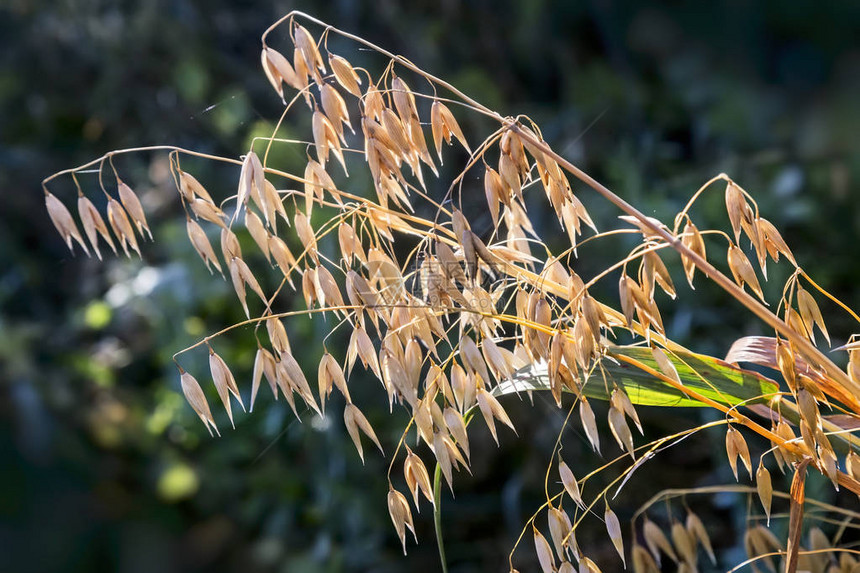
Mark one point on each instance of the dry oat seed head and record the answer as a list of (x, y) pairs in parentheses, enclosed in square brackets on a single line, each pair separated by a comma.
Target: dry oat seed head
[(544, 552), (568, 480), (401, 516), (134, 209), (121, 226), (657, 541), (354, 421), (64, 223), (93, 223), (197, 400), (613, 527), (696, 529), (202, 245)]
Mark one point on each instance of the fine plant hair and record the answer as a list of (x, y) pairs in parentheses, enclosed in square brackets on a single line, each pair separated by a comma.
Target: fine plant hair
[(456, 321)]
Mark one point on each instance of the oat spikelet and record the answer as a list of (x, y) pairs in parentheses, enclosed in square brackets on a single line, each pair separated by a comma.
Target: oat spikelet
[(492, 410), (696, 529), (665, 364), (559, 527), (257, 376), (310, 53), (329, 373), (737, 207), (810, 313), (774, 242), (692, 239), (685, 545), (401, 516), (224, 383), (568, 480), (354, 421), (417, 478), (544, 552), (742, 270), (736, 447), (190, 188), (620, 431), (121, 226), (241, 275), (457, 428), (278, 70), (643, 562), (135, 210), (202, 245), (764, 487), (444, 125), (345, 75), (589, 423), (657, 541), (64, 223), (230, 245), (93, 223), (613, 527), (197, 400)]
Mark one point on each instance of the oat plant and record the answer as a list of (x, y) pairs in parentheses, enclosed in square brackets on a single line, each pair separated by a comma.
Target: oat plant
[(457, 321)]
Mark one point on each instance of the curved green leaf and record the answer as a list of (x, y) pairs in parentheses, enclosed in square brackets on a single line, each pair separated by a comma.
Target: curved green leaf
[(708, 376)]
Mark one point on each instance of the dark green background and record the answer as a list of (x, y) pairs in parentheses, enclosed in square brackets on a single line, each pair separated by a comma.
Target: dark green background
[(103, 467)]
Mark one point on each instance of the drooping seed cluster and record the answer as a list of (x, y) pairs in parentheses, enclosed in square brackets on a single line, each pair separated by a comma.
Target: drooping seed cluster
[(466, 309)]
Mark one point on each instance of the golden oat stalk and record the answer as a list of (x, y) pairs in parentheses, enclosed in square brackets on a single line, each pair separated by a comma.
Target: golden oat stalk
[(483, 322)]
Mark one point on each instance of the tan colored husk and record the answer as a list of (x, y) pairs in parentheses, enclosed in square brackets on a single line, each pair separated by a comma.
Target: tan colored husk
[(444, 125), (544, 552), (736, 447), (613, 527), (278, 70), (492, 410), (241, 275), (197, 400), (657, 541), (693, 240), (620, 431), (355, 421), (93, 225), (457, 427), (202, 245), (685, 545), (568, 480), (742, 270), (207, 210), (230, 245), (559, 527), (810, 313), (224, 383), (642, 560), (401, 516), (345, 74), (63, 222), (589, 424), (764, 487), (121, 226), (417, 479), (696, 529), (133, 207)]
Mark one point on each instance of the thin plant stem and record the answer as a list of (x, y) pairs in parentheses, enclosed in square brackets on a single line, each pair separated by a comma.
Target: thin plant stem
[(437, 516)]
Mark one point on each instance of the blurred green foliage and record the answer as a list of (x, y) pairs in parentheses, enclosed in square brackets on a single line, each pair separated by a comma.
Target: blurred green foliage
[(103, 465)]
